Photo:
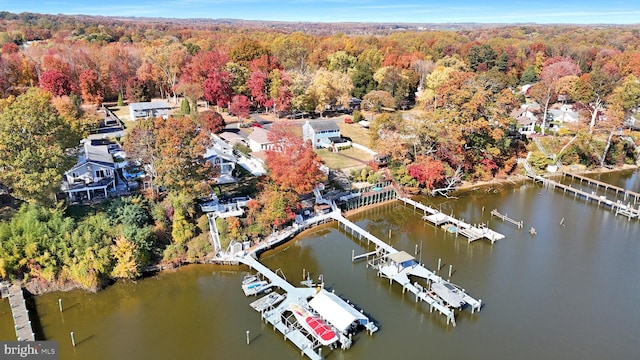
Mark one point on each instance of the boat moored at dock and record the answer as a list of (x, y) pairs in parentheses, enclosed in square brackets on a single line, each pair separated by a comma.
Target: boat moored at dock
[(314, 325)]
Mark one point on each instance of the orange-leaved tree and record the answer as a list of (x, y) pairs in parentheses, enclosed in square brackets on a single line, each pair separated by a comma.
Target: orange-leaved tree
[(292, 163)]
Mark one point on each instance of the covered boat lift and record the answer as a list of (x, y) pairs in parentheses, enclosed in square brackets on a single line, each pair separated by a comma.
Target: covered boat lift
[(339, 313)]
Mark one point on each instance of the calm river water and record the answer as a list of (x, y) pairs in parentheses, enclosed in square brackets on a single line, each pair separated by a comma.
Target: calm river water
[(569, 292)]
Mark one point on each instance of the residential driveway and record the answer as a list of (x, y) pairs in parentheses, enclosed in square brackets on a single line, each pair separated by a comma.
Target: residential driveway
[(266, 124)]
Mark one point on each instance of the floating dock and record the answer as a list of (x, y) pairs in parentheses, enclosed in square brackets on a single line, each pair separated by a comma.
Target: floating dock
[(22, 324), (471, 232)]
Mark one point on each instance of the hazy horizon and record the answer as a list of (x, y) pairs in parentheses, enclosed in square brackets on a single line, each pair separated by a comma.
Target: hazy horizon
[(360, 11)]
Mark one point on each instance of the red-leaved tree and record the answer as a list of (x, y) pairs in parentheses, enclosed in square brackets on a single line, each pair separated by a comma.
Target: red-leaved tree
[(292, 163), (55, 82), (217, 88), (91, 87), (239, 106), (427, 171), (211, 122)]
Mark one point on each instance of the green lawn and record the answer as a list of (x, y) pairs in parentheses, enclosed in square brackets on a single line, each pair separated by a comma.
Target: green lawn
[(344, 158), (357, 133)]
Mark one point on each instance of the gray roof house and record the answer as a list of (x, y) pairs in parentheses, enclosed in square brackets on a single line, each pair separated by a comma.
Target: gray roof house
[(320, 132), (143, 110), (259, 140), (94, 175)]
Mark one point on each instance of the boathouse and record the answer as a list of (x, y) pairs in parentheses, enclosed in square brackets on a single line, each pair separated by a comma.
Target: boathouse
[(337, 312), (401, 260)]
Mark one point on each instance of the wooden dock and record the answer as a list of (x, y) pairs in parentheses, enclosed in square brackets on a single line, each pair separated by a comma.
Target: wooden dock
[(22, 324), (618, 207), (628, 194), (471, 232), (391, 272), (505, 218), (308, 345)]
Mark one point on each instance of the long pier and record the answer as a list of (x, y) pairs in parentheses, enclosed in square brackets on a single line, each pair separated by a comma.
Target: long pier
[(606, 186), (626, 210), (22, 324), (436, 217), (394, 273)]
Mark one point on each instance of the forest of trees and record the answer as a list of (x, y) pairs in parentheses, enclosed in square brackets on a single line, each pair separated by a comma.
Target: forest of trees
[(461, 87)]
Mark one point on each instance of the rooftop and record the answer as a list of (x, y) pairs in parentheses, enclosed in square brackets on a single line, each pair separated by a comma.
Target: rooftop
[(324, 125), (260, 136), (140, 106)]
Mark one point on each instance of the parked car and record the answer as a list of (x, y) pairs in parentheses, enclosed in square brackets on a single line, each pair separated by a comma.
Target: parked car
[(255, 124), (348, 121)]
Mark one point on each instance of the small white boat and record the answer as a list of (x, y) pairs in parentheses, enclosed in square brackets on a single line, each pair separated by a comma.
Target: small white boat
[(314, 325), (249, 278), (256, 287), (448, 293), (267, 301)]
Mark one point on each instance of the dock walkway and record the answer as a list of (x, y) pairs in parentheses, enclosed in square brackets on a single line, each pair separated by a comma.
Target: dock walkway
[(471, 232), (401, 276), (504, 217), (22, 324), (626, 210), (294, 295), (606, 186)]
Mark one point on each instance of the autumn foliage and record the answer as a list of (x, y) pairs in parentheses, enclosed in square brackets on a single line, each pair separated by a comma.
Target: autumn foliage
[(292, 163), (427, 170)]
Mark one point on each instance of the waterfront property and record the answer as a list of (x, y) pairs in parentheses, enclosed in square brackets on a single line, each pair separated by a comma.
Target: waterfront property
[(319, 304), (320, 133), (471, 232), (94, 175)]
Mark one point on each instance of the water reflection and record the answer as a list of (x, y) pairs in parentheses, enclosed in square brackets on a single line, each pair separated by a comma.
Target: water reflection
[(569, 292)]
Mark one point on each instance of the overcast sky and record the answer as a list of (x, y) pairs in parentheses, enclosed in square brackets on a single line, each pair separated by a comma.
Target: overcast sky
[(411, 11)]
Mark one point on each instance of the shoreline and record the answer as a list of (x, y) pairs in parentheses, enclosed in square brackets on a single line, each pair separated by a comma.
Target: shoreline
[(37, 287)]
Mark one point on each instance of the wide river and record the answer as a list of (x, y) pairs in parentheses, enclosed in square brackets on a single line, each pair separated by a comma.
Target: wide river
[(569, 292)]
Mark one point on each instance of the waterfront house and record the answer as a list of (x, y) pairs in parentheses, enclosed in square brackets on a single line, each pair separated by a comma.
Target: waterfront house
[(221, 156), (526, 119), (95, 173), (143, 110)]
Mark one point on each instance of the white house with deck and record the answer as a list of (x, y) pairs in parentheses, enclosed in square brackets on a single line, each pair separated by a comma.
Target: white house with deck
[(94, 175), (259, 140), (324, 133), (221, 156)]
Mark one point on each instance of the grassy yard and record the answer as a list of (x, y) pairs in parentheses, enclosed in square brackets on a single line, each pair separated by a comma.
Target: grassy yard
[(356, 132), (344, 158)]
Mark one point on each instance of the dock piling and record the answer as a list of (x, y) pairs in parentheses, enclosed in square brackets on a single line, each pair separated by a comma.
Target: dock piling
[(60, 304), (439, 263), (247, 337), (450, 270), (73, 340)]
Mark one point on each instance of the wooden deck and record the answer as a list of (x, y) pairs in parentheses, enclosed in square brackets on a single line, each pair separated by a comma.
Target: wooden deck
[(471, 232), (22, 324)]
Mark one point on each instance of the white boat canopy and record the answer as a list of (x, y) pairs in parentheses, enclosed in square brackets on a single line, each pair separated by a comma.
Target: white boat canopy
[(336, 311)]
